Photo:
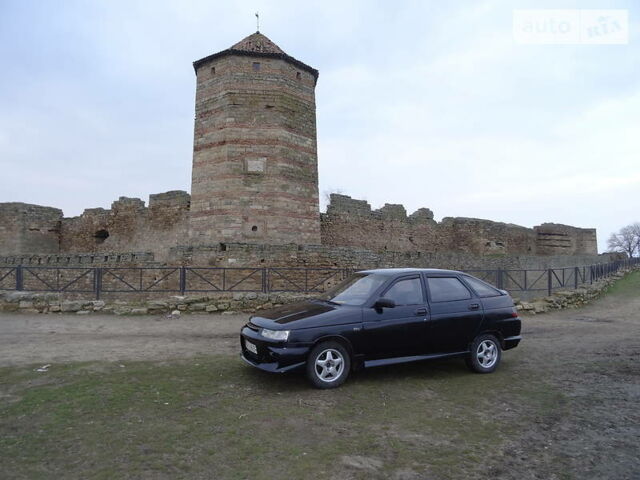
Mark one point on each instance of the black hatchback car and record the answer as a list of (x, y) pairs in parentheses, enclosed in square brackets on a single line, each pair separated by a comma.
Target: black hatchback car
[(381, 317)]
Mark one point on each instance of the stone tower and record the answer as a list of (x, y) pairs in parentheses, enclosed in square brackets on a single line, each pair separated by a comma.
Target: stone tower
[(255, 165)]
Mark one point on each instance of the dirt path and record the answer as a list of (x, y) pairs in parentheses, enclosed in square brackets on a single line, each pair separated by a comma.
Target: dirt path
[(608, 327), (37, 338), (566, 400)]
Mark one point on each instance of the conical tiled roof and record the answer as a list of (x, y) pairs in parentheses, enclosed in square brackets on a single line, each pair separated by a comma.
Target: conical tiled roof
[(257, 43)]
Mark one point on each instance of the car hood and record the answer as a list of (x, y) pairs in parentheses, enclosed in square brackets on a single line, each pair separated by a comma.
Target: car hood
[(308, 314)]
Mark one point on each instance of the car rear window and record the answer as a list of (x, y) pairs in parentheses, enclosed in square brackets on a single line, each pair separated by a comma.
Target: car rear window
[(447, 289), (481, 288)]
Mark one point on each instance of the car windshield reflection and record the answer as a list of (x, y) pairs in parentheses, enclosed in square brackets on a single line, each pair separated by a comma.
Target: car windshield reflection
[(355, 290)]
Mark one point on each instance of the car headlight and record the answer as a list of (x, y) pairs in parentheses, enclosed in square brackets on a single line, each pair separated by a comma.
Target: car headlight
[(275, 334)]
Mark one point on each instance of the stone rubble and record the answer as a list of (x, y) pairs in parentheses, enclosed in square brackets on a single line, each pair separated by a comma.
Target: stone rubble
[(568, 298)]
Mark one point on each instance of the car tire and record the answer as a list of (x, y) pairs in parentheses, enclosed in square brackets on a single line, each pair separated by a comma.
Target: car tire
[(485, 354), (328, 365)]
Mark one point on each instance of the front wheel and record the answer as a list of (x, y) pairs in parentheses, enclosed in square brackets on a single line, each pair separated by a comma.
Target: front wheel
[(328, 365), (485, 354)]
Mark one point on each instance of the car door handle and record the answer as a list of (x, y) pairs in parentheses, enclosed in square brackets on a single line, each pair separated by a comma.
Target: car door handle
[(421, 311), (474, 306)]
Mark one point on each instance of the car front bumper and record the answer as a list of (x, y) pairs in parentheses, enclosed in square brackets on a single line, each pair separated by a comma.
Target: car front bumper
[(277, 357)]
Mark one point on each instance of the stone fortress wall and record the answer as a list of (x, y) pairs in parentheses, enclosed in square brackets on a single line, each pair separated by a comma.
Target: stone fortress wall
[(352, 223), (353, 235), (255, 166), (254, 197), (29, 228)]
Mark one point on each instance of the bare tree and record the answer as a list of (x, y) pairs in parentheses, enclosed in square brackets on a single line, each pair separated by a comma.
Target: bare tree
[(635, 228), (627, 240)]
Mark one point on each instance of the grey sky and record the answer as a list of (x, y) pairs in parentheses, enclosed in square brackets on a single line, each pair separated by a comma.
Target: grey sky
[(424, 103)]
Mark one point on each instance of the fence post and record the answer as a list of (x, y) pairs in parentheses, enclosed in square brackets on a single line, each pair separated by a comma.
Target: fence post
[(183, 280), (19, 278), (549, 282), (97, 281), (499, 279), (266, 280), (575, 276)]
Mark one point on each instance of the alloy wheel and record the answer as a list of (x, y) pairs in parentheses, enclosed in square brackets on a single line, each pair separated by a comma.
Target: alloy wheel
[(329, 365), (487, 353)]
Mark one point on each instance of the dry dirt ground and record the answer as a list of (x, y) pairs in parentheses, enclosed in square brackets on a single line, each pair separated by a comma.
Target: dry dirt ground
[(565, 404), (33, 338)]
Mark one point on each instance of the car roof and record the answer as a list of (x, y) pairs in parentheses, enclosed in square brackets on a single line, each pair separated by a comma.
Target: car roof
[(398, 271)]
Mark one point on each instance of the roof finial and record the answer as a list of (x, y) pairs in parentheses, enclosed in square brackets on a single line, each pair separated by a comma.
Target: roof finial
[(257, 22)]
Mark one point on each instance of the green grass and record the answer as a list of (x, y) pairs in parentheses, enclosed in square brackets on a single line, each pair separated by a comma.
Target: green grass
[(626, 287), (215, 417)]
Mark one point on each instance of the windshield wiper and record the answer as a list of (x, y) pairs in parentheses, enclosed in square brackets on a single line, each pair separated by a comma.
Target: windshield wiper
[(328, 301)]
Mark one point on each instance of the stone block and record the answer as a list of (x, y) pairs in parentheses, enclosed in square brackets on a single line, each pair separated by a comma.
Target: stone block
[(540, 306), (190, 300), (71, 306)]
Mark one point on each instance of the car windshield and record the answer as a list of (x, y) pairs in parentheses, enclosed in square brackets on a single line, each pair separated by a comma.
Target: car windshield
[(355, 290)]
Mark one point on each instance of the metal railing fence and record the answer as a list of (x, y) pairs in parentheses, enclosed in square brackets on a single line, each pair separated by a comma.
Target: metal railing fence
[(183, 280)]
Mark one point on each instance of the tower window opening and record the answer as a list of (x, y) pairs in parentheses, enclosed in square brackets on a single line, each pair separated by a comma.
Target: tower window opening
[(298, 76), (213, 70), (254, 228), (256, 66), (101, 236)]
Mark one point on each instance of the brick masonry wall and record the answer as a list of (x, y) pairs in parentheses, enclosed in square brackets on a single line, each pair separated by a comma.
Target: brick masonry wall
[(29, 228), (352, 233), (129, 226), (255, 255), (255, 172), (352, 223)]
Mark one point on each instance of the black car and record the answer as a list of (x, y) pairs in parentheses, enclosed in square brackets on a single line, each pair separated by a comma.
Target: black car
[(381, 317)]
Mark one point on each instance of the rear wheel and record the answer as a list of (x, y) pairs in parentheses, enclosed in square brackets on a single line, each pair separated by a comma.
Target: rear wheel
[(485, 354), (328, 365)]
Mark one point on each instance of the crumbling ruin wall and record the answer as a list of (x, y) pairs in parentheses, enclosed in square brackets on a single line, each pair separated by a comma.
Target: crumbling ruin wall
[(29, 228), (352, 223), (129, 226), (37, 235), (553, 239), (352, 235)]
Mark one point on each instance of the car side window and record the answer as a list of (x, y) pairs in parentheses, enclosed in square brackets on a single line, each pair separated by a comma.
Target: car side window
[(407, 291), (447, 289), (481, 288)]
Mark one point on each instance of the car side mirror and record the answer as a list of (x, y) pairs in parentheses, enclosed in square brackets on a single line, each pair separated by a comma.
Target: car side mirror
[(384, 303)]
